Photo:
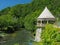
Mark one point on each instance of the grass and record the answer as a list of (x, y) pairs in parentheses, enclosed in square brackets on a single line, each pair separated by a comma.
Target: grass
[(57, 43), (37, 43)]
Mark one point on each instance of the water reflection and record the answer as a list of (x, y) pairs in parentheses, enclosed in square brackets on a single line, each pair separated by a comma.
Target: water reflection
[(22, 37)]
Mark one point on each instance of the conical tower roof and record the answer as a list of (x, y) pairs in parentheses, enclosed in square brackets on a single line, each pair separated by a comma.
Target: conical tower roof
[(46, 14)]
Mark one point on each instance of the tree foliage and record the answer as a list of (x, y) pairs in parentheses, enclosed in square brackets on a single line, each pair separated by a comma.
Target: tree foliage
[(50, 35), (26, 14), (31, 20)]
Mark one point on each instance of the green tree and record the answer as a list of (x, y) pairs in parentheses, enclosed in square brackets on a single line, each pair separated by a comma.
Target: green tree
[(49, 35), (7, 20), (31, 20)]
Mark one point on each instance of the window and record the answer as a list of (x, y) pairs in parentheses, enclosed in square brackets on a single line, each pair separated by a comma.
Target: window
[(39, 21), (44, 22), (51, 22)]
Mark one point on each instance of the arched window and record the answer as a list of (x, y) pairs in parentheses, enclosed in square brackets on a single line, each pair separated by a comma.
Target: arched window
[(51, 22), (39, 21), (44, 22)]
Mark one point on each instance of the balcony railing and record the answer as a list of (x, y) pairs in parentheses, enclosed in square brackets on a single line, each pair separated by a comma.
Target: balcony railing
[(40, 25)]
